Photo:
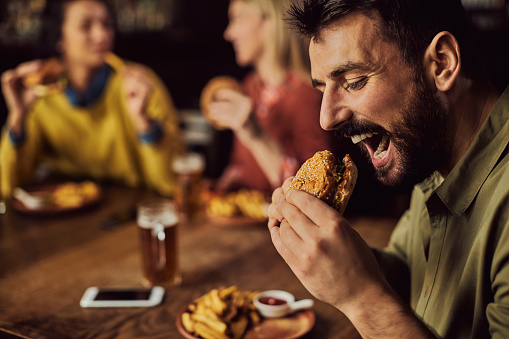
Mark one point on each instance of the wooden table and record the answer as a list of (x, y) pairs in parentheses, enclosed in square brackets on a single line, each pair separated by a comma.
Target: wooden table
[(46, 263)]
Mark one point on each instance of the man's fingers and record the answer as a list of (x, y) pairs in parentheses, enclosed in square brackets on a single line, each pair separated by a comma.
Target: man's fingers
[(273, 213), (285, 240), (301, 225), (315, 209), (277, 194), (287, 183), (273, 222)]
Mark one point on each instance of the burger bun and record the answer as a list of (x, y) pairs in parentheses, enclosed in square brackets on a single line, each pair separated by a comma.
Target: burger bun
[(48, 79)]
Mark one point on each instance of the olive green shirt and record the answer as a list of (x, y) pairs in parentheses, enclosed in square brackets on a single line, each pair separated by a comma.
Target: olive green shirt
[(454, 239)]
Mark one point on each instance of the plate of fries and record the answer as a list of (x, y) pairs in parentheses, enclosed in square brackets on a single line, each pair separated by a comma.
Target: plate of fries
[(229, 313), (56, 198), (243, 207)]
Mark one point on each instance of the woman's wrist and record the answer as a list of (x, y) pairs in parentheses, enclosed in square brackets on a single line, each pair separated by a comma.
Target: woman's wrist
[(16, 122), (153, 134), (250, 131), (142, 122)]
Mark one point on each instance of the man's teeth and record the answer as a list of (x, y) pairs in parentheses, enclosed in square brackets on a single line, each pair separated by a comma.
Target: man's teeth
[(359, 137), (381, 151)]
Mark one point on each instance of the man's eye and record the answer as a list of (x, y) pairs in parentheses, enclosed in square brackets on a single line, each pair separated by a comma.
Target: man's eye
[(356, 85)]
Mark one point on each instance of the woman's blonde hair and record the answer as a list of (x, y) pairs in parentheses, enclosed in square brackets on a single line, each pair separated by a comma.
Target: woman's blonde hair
[(290, 49)]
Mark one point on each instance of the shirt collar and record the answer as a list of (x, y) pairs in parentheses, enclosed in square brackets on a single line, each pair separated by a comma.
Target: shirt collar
[(465, 180), (94, 91)]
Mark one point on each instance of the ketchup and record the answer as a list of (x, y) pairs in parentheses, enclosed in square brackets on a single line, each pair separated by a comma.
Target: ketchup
[(272, 301)]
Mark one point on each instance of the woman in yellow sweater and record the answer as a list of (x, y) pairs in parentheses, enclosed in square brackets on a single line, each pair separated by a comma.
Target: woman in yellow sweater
[(114, 120)]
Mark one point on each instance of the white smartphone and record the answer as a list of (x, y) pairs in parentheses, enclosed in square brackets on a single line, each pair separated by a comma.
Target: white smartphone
[(122, 297)]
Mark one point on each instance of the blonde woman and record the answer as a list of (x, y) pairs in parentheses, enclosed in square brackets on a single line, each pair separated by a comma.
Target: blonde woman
[(276, 122)]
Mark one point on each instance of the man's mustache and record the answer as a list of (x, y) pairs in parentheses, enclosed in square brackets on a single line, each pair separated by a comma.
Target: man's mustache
[(353, 127)]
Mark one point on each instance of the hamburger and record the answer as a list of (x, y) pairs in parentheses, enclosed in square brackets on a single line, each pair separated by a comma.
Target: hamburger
[(208, 95), (327, 178), (50, 78)]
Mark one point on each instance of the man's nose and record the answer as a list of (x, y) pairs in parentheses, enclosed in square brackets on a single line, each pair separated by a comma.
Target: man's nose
[(333, 111)]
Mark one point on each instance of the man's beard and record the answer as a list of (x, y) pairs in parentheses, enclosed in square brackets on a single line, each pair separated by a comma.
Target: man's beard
[(420, 140)]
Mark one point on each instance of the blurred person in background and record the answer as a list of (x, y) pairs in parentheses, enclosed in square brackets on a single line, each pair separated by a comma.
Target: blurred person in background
[(111, 121), (276, 122)]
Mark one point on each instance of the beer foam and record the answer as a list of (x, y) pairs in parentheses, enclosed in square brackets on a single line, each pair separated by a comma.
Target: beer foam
[(168, 219), (192, 162)]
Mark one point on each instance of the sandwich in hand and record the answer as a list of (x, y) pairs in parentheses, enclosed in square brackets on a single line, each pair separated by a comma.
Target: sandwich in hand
[(48, 79), (327, 178), (208, 95)]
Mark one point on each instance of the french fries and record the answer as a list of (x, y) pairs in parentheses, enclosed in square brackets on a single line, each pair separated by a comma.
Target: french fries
[(224, 313), (245, 202), (75, 194)]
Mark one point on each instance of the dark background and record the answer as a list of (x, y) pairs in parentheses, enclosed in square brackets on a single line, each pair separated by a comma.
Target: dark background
[(190, 50), (185, 53)]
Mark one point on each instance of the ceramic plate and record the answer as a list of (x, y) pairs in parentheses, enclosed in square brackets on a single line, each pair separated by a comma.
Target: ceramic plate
[(293, 326)]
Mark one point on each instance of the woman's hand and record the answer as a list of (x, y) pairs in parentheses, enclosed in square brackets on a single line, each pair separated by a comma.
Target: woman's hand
[(231, 109), (234, 110), (325, 253), (137, 89), (18, 98)]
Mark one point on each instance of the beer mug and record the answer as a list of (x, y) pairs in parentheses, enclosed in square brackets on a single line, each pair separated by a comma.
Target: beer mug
[(188, 170), (158, 232)]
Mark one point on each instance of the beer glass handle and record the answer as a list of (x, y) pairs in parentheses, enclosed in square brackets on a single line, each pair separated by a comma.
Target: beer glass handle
[(160, 236)]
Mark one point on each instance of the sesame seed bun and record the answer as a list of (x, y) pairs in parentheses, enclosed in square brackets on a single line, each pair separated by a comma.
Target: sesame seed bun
[(327, 178)]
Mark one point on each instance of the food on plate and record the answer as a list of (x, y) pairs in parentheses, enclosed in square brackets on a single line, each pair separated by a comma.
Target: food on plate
[(73, 194), (249, 203), (209, 91), (68, 195), (222, 206), (50, 78), (327, 178), (221, 314)]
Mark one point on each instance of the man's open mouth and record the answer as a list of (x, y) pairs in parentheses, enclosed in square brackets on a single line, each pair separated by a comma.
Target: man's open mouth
[(378, 146)]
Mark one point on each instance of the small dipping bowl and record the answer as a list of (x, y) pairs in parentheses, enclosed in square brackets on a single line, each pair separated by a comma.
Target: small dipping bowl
[(276, 303)]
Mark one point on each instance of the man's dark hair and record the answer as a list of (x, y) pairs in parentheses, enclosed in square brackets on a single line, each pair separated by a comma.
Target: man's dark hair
[(410, 24), (52, 19)]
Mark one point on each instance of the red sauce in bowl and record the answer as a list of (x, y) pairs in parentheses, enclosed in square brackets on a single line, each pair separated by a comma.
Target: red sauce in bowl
[(272, 301)]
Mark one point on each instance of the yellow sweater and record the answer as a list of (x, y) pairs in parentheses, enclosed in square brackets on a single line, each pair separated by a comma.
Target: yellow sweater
[(99, 142)]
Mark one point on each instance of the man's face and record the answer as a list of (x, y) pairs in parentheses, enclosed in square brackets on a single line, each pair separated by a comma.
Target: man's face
[(371, 96)]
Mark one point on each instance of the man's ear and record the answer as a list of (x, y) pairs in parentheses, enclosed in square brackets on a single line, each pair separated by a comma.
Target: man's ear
[(442, 61)]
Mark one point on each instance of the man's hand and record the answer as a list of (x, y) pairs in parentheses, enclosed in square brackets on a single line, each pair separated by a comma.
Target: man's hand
[(322, 249), (336, 266)]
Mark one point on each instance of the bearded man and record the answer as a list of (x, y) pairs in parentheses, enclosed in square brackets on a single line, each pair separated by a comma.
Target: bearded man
[(401, 79)]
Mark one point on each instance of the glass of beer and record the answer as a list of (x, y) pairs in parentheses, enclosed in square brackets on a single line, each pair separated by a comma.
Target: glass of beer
[(188, 170), (158, 231)]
